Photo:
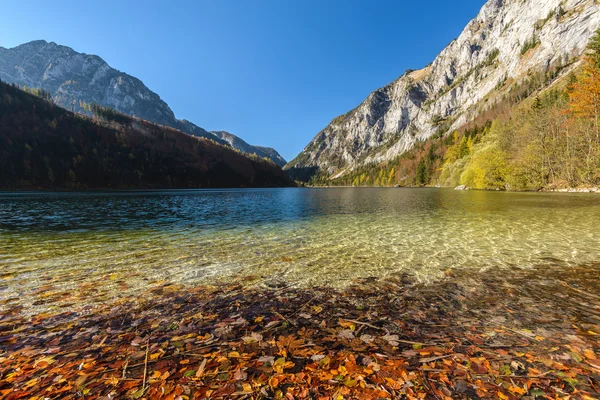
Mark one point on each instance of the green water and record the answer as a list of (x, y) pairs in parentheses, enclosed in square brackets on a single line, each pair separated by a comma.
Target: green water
[(61, 250)]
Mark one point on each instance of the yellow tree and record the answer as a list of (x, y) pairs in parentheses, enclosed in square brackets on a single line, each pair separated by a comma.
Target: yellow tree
[(585, 92), (584, 104)]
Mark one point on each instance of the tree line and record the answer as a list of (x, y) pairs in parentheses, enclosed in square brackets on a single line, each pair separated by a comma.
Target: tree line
[(45, 146)]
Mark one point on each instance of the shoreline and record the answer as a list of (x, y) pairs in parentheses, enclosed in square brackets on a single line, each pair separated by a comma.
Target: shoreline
[(149, 189), (567, 190), (471, 335)]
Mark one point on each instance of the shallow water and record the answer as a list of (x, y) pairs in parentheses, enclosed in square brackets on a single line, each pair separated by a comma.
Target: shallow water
[(57, 248)]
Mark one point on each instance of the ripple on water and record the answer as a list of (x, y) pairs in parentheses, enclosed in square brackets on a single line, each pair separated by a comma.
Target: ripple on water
[(60, 248)]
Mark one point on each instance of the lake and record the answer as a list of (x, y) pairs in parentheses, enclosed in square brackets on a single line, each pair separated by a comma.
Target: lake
[(101, 245)]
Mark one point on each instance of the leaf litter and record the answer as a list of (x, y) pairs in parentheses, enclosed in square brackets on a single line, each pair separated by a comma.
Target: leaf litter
[(528, 334)]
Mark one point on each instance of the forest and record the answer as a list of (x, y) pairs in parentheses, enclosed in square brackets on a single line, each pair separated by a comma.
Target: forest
[(543, 135), (43, 146)]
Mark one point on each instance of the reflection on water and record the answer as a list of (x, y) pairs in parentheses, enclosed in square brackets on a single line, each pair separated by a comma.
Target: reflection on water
[(57, 247)]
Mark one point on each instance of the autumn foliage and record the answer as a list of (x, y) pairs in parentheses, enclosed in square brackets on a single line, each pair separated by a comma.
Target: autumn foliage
[(585, 93), (470, 336)]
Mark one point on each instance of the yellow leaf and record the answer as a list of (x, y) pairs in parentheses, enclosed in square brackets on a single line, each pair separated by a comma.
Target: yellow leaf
[(31, 382), (154, 356), (233, 354), (589, 354), (502, 396), (113, 381), (288, 365)]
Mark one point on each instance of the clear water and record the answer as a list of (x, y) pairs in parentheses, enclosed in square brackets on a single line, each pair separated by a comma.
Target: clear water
[(58, 249)]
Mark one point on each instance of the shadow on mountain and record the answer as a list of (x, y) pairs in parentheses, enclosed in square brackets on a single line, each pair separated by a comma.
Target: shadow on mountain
[(303, 174), (47, 147)]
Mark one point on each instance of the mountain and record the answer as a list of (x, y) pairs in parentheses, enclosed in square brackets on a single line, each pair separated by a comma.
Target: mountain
[(239, 144), (45, 146), (74, 78), (272, 154), (502, 47)]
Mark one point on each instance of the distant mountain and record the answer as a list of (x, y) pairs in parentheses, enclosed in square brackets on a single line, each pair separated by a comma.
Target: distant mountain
[(273, 155), (44, 146), (244, 147), (508, 42), (74, 78)]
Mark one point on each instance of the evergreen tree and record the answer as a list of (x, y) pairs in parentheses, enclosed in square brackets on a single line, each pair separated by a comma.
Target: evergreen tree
[(594, 47), (421, 177)]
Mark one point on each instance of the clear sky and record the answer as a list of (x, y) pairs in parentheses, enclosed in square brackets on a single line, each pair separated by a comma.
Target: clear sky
[(274, 72)]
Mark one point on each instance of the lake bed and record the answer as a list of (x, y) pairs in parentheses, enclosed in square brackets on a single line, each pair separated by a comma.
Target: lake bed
[(111, 244)]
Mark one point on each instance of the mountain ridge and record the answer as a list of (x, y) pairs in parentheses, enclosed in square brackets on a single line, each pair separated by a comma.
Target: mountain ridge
[(239, 144), (44, 146), (74, 78)]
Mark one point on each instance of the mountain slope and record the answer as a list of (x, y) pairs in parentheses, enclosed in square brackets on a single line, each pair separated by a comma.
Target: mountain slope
[(45, 146), (73, 78), (272, 154), (507, 41), (244, 147)]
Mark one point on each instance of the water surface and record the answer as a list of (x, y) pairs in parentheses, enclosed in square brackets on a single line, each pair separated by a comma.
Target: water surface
[(56, 248)]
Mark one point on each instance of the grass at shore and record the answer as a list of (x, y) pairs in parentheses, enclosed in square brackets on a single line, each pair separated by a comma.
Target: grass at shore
[(529, 334)]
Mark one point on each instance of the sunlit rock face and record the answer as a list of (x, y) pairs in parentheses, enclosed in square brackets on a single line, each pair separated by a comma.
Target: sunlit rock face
[(75, 78), (507, 40)]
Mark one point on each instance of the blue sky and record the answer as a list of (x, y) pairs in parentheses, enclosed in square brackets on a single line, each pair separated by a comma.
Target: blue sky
[(273, 72)]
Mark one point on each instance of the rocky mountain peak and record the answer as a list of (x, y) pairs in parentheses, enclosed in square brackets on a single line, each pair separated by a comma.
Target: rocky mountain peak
[(505, 42)]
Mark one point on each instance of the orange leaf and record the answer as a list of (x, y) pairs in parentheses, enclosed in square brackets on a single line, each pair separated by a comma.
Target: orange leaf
[(273, 382), (517, 390)]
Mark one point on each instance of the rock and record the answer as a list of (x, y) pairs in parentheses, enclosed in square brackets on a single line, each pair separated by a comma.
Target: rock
[(464, 79), (461, 187)]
